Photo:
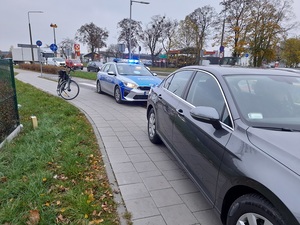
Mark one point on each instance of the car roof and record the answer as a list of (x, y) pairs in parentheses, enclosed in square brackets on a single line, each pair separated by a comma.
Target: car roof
[(233, 70)]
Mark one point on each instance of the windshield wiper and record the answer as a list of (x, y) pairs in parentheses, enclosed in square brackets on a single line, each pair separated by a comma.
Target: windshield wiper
[(277, 128)]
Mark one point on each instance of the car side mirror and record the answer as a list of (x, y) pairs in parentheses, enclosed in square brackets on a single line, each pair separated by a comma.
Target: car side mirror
[(111, 73), (207, 115)]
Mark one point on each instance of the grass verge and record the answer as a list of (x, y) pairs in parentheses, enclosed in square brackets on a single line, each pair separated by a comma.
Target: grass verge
[(84, 75), (53, 174)]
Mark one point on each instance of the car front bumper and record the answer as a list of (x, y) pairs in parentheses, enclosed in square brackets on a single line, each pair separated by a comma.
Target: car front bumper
[(135, 95)]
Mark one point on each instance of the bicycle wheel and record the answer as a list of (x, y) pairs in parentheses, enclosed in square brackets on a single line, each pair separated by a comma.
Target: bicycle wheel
[(69, 90)]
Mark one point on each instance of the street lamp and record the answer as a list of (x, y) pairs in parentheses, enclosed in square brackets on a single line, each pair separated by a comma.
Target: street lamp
[(53, 25), (28, 13), (131, 1)]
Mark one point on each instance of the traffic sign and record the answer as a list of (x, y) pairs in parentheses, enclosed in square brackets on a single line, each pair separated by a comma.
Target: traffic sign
[(221, 48), (121, 47), (221, 55), (39, 43), (163, 56), (53, 47), (26, 46)]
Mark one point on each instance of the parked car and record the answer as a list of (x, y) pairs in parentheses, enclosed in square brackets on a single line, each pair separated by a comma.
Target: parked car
[(56, 61), (236, 132), (74, 64), (94, 66), (126, 81)]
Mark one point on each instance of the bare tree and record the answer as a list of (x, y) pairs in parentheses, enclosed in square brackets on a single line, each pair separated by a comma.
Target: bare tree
[(169, 34), (153, 35), (113, 51), (135, 33), (201, 21), (93, 36), (67, 46)]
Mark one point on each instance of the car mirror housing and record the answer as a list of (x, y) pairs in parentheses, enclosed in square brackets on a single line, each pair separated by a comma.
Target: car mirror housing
[(207, 115), (111, 73)]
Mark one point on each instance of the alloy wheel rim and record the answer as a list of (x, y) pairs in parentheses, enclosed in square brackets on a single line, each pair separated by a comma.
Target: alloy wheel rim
[(253, 219), (98, 87), (117, 94), (152, 124)]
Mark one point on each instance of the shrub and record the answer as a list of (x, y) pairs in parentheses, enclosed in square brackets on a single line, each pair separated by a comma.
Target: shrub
[(37, 67)]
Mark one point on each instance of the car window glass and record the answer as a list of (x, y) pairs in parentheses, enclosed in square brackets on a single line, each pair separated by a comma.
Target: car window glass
[(112, 68), (205, 91), (167, 82), (179, 81), (105, 68), (133, 69)]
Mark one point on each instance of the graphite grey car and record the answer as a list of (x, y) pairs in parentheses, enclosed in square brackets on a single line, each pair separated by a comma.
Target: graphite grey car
[(236, 132)]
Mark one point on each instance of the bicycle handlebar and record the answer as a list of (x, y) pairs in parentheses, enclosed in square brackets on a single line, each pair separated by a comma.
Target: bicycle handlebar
[(70, 68)]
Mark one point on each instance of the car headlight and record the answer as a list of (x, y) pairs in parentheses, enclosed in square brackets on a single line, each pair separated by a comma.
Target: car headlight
[(130, 85)]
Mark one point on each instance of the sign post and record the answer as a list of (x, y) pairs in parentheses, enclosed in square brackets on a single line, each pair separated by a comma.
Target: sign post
[(221, 55), (39, 44)]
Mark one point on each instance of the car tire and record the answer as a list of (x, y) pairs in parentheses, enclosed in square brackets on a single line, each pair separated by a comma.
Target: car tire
[(152, 135), (98, 87), (253, 206), (117, 95)]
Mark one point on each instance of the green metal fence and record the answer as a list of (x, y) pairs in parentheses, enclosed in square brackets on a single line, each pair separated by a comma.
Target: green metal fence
[(9, 115)]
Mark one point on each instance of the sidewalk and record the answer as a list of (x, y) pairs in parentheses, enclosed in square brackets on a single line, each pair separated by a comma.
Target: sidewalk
[(154, 188)]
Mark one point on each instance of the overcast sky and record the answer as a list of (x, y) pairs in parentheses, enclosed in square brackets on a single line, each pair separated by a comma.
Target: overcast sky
[(71, 15)]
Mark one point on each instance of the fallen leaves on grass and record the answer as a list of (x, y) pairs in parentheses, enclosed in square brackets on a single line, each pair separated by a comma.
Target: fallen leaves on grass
[(34, 217), (96, 222)]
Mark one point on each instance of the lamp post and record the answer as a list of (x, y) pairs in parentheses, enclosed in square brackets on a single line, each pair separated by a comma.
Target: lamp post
[(28, 13), (131, 1), (53, 25), (222, 50)]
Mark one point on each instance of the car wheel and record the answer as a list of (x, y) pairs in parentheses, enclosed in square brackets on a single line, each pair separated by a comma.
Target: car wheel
[(98, 86), (253, 209), (117, 95), (153, 136)]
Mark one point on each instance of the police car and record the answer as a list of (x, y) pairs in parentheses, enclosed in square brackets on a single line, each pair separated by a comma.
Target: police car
[(126, 80)]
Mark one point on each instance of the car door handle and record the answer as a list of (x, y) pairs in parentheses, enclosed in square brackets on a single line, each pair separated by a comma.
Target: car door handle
[(159, 96), (180, 112)]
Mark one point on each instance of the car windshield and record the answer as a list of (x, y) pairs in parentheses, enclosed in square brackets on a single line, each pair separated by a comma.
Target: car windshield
[(133, 69), (59, 59), (267, 101)]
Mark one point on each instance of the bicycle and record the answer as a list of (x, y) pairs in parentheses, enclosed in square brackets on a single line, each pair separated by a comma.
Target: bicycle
[(67, 88)]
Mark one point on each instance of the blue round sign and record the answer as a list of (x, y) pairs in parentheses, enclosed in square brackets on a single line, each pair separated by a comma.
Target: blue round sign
[(221, 48), (53, 47), (39, 43)]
